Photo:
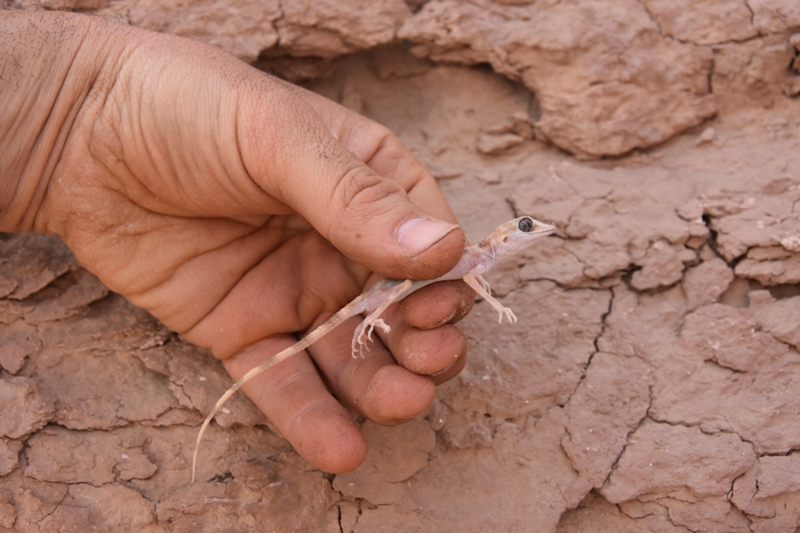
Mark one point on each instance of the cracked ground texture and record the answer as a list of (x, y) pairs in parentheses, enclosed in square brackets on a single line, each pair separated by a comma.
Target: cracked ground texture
[(653, 380)]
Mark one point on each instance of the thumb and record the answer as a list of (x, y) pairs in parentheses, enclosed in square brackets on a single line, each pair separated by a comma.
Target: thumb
[(368, 217)]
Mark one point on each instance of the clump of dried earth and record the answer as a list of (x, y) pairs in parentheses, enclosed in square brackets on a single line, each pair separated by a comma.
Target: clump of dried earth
[(653, 381)]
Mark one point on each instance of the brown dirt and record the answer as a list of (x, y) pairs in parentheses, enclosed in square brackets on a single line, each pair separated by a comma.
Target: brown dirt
[(653, 380)]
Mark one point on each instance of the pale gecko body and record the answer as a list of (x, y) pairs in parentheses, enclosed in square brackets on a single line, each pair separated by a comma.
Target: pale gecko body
[(506, 241)]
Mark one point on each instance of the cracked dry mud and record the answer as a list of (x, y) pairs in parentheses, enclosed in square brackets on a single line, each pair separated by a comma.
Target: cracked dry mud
[(653, 380)]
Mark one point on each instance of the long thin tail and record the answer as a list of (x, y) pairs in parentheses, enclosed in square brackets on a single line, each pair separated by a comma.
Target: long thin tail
[(299, 346)]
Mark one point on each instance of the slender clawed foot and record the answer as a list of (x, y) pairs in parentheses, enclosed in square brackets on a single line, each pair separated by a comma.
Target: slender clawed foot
[(484, 284), (363, 334), (509, 315)]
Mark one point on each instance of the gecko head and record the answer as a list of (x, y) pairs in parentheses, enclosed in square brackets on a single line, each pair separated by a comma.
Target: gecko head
[(514, 236)]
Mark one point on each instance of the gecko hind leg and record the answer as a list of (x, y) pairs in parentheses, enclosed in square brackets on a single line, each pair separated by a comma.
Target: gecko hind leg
[(363, 332)]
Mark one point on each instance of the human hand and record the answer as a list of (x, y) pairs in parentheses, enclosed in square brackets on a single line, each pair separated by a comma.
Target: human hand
[(239, 210)]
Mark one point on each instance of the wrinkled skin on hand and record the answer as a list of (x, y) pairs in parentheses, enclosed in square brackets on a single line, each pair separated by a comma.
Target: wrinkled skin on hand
[(239, 210)]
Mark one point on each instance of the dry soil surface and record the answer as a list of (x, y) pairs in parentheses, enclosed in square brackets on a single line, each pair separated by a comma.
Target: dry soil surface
[(653, 380)]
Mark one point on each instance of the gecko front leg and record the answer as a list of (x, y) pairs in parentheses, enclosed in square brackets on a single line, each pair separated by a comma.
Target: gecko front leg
[(471, 280)]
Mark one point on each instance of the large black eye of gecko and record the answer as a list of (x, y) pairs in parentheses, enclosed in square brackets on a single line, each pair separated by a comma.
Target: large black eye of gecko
[(526, 224)]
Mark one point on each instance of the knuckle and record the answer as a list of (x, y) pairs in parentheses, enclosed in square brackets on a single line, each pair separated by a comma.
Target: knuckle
[(362, 193)]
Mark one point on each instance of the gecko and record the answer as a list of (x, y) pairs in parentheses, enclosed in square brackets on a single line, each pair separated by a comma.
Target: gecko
[(506, 241)]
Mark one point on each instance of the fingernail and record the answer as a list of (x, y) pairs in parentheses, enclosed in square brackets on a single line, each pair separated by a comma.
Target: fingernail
[(418, 234)]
